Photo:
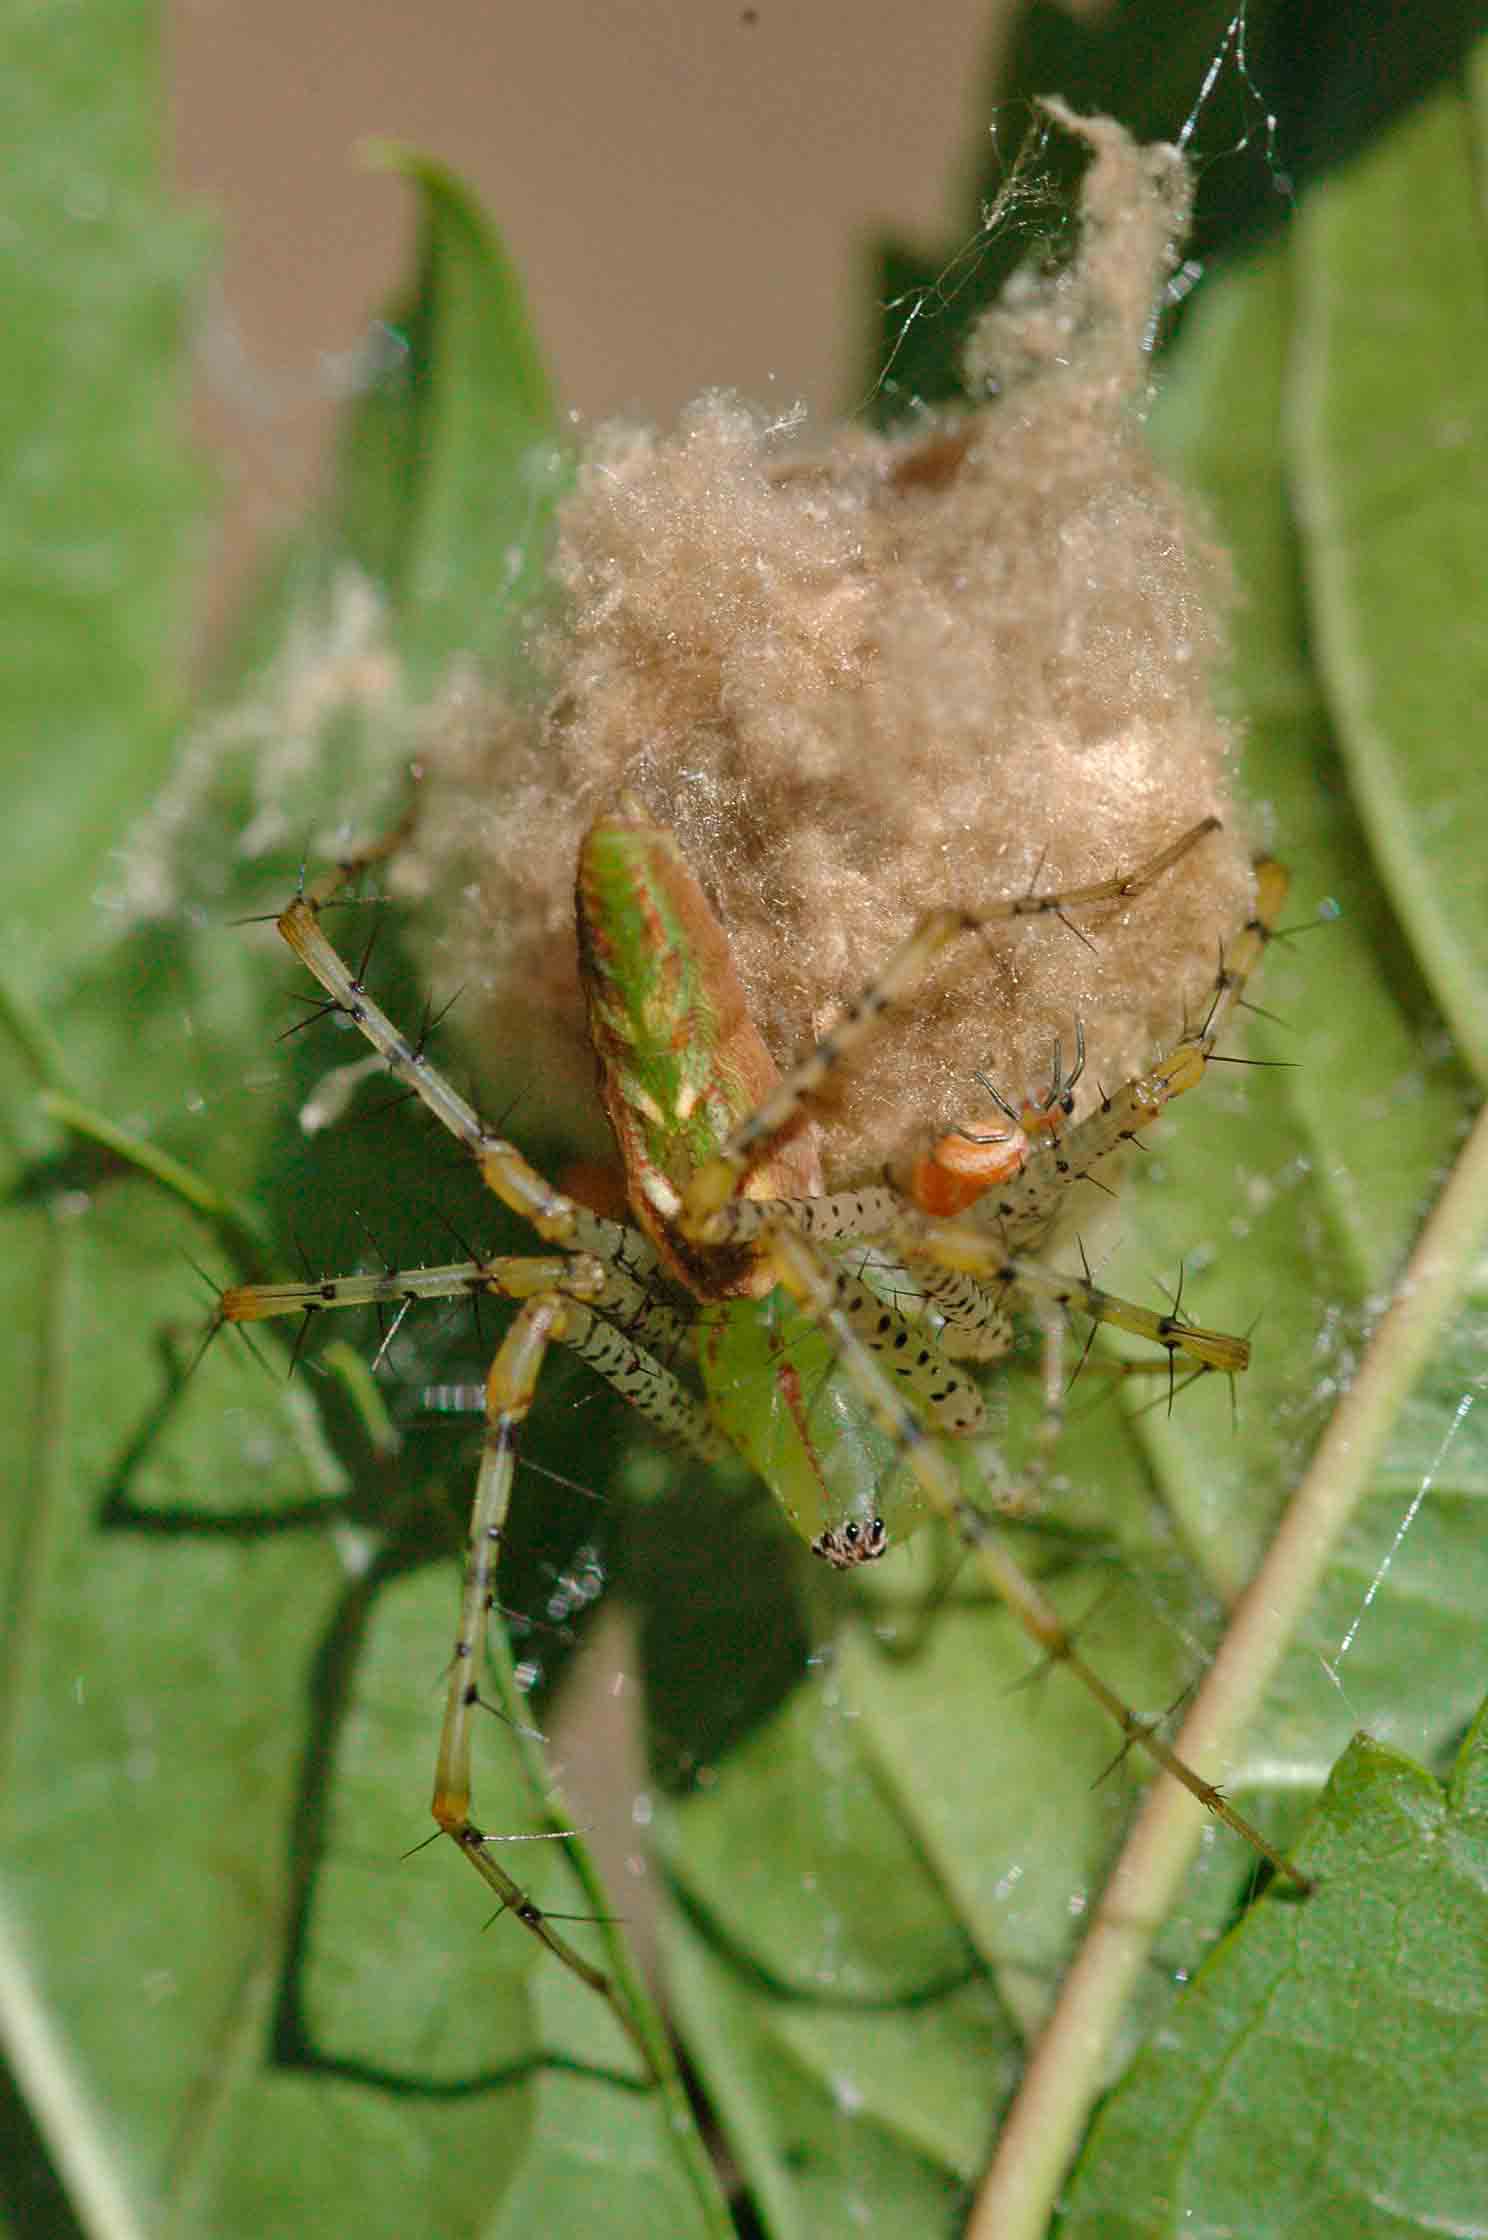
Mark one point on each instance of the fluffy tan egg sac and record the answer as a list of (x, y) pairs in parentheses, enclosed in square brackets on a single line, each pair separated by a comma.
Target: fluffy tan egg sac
[(868, 675)]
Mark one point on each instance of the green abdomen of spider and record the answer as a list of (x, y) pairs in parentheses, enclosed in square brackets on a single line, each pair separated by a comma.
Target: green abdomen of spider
[(780, 1395)]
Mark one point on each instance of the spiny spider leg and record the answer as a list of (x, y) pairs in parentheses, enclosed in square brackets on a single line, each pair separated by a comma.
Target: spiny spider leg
[(965, 1274), (592, 1326), (558, 1220), (964, 1270), (1059, 1158), (606, 1286), (810, 1279), (793, 1233), (510, 1387), (965, 1266), (561, 1302), (714, 1184)]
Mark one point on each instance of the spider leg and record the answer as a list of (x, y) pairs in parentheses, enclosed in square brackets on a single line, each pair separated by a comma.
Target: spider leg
[(593, 1326), (561, 1300), (809, 1277), (977, 1327), (1058, 1158), (967, 1271), (938, 1250), (794, 1233), (598, 1291), (716, 1182), (510, 1387), (964, 1245), (557, 1219), (1053, 1331), (910, 1356)]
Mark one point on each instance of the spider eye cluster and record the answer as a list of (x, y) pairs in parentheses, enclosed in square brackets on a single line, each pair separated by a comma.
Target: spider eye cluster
[(845, 1546)]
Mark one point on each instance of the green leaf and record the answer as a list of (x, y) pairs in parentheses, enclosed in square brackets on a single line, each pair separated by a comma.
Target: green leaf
[(1391, 512), (232, 2004), (1329, 2063), (451, 465), (99, 508)]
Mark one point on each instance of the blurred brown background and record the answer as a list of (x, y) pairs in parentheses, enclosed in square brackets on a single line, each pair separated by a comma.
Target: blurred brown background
[(688, 188)]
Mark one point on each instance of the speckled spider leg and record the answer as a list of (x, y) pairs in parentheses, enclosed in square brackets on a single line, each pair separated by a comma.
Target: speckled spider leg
[(602, 1316), (795, 1233), (714, 1185), (969, 1268), (977, 1246), (969, 1273), (559, 1298), (804, 1271), (1058, 1158), (595, 1294)]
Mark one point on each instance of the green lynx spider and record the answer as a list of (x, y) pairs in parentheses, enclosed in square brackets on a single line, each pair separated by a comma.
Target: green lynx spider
[(719, 1155)]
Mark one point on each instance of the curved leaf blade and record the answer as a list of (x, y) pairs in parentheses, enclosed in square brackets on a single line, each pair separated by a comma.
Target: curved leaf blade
[(1391, 509), (1327, 2068)]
